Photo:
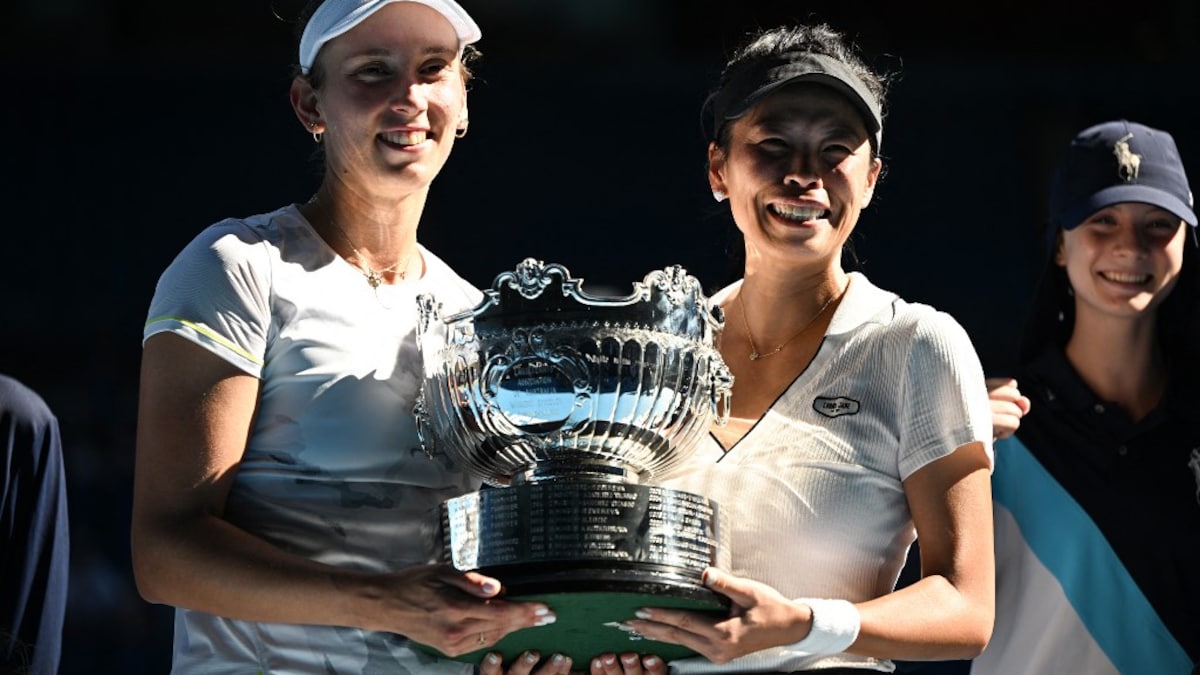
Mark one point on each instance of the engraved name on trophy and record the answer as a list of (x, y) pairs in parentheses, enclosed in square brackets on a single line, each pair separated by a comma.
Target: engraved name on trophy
[(566, 405)]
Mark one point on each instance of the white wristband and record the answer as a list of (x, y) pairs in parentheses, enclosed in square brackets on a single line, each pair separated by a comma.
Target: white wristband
[(835, 625)]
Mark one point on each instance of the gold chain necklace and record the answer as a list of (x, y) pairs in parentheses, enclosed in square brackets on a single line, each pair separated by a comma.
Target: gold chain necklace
[(754, 355), (374, 276)]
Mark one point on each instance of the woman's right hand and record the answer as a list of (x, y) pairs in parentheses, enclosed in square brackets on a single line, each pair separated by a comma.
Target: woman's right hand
[(1008, 406), (451, 611)]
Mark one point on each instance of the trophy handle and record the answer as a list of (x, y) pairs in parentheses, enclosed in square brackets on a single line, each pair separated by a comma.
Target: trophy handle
[(721, 391), (425, 435)]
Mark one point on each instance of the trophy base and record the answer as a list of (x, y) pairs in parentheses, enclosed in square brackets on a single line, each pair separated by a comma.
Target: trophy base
[(595, 553), (588, 619)]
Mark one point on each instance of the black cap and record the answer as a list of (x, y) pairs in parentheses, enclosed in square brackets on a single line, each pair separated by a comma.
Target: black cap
[(744, 87), (1115, 162)]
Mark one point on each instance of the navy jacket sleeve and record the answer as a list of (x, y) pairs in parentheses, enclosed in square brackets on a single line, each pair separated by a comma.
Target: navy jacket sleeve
[(33, 534)]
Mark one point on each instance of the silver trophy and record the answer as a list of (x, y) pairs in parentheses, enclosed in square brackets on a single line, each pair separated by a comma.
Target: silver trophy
[(567, 405)]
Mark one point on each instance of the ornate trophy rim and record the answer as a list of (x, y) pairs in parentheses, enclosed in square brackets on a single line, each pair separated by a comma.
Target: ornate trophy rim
[(533, 277), (536, 324)]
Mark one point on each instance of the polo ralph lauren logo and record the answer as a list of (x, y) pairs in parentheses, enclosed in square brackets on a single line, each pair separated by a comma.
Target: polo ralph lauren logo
[(1128, 161), (835, 407)]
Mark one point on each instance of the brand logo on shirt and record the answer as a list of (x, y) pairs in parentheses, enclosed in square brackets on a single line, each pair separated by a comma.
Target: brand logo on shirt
[(835, 407)]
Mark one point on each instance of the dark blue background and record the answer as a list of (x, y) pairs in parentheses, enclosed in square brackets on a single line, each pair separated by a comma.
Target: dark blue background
[(129, 125)]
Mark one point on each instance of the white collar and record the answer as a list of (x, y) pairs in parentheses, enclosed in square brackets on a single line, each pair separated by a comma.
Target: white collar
[(863, 303)]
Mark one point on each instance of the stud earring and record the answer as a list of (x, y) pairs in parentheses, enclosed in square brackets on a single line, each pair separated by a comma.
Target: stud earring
[(719, 195)]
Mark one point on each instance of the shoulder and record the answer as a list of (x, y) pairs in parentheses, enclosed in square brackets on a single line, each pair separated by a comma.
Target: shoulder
[(237, 248), (934, 351), (231, 266), (935, 342), (19, 399), (927, 324), (237, 238), (902, 320), (22, 408)]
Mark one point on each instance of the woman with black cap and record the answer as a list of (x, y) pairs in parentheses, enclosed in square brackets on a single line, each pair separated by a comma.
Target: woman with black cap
[(859, 420), (281, 503), (1097, 496)]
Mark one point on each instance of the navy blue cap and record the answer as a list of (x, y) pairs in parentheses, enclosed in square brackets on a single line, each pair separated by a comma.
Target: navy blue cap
[(1119, 161)]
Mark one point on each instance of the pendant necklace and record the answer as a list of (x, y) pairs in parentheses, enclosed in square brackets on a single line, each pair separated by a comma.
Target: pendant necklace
[(374, 276), (754, 353)]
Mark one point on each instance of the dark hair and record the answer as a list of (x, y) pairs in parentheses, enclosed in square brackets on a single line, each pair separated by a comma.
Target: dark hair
[(1052, 317), (814, 39), (316, 76)]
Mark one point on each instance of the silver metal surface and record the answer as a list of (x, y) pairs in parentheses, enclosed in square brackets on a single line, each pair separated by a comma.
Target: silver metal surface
[(542, 381), (600, 526)]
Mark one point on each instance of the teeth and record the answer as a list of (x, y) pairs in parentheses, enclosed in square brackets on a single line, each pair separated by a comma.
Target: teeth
[(404, 137), (1123, 278), (799, 213)]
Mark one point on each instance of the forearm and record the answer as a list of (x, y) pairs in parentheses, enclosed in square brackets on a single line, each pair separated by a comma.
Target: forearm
[(207, 564), (929, 620), (194, 419)]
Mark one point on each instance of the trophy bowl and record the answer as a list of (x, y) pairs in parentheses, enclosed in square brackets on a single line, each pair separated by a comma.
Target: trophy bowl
[(566, 405)]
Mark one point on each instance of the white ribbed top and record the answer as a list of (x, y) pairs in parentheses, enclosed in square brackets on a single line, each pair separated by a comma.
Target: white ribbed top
[(812, 502)]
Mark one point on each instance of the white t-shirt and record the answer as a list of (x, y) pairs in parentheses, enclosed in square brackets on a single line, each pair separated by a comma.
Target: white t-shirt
[(811, 498), (333, 470)]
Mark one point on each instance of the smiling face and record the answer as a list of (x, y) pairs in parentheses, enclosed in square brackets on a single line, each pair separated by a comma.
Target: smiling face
[(391, 97), (798, 170), (1123, 259)]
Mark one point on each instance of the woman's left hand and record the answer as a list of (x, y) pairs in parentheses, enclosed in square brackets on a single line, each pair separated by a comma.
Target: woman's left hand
[(759, 618)]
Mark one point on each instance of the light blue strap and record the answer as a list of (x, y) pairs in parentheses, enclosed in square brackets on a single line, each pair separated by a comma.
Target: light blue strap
[(1066, 540)]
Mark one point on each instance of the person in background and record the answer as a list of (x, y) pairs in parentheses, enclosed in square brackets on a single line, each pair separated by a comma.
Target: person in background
[(34, 534), (282, 502), (859, 420), (1097, 494)]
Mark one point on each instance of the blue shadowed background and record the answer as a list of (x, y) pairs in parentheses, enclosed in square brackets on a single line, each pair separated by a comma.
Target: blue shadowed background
[(129, 125)]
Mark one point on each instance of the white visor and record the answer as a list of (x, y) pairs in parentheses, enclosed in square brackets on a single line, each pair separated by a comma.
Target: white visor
[(335, 17)]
